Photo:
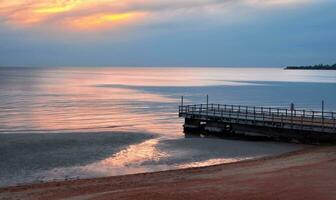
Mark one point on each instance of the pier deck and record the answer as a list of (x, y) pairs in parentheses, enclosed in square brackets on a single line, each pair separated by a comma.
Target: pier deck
[(303, 125)]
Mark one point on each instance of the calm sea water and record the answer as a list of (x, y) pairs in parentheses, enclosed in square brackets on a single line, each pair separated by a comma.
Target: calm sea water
[(58, 123)]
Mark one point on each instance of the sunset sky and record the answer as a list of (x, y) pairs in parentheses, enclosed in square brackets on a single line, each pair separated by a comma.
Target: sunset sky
[(167, 32)]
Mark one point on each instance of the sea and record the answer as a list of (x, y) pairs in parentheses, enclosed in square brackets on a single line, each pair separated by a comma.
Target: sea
[(62, 123)]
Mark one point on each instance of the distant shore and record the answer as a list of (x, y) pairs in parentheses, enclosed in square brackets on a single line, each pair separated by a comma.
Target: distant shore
[(304, 174), (312, 67)]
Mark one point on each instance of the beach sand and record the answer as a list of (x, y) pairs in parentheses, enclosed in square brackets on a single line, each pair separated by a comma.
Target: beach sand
[(304, 174)]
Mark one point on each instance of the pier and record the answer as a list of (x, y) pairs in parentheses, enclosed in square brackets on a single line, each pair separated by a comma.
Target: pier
[(306, 126)]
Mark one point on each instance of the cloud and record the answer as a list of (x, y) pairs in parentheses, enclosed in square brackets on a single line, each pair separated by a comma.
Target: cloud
[(175, 34), (105, 14)]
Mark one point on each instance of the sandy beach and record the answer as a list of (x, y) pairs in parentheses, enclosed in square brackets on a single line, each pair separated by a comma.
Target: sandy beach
[(304, 174)]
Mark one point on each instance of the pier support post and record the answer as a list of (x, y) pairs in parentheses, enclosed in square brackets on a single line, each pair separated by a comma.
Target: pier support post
[(322, 112), (207, 104)]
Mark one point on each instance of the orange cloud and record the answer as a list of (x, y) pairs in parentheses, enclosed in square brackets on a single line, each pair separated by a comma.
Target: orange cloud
[(104, 20), (57, 7), (74, 14), (98, 14)]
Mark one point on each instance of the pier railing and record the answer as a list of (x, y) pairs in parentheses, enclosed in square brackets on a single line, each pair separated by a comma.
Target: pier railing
[(266, 116)]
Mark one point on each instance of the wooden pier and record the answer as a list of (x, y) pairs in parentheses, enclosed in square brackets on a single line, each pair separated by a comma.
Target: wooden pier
[(282, 124)]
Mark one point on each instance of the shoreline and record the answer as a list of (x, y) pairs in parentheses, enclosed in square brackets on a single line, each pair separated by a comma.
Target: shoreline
[(110, 155), (259, 178)]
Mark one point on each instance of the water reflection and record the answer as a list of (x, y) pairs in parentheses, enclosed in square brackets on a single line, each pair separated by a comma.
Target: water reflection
[(63, 99), (158, 155), (136, 154), (58, 100)]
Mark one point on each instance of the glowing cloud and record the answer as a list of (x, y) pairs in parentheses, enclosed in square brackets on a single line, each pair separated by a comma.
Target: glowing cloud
[(105, 20), (265, 3), (91, 14), (57, 7)]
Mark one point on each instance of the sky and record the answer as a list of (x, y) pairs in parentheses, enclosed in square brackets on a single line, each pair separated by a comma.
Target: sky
[(246, 33)]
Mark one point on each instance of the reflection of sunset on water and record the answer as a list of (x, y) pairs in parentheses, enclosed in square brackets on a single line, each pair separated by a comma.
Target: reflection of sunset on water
[(113, 98), (147, 157), (62, 102), (136, 154), (114, 121)]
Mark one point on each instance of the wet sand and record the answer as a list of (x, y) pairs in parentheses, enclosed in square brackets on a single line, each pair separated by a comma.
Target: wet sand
[(304, 174)]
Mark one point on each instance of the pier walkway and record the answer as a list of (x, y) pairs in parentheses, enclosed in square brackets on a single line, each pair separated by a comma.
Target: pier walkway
[(263, 121)]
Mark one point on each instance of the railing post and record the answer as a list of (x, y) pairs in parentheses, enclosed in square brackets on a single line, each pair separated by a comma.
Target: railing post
[(281, 119), (292, 109), (254, 113), (207, 104), (323, 113), (333, 119), (264, 118), (246, 113), (237, 119)]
